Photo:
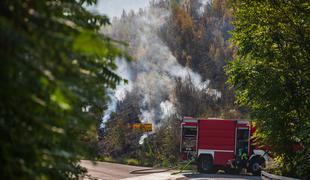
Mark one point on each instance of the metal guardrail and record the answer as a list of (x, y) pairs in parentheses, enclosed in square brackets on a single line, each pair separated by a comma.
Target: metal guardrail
[(268, 176)]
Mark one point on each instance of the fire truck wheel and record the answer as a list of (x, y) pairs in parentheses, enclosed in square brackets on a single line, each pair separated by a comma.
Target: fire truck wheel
[(205, 164), (256, 165)]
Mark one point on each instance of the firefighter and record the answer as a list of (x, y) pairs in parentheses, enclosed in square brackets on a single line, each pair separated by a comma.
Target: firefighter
[(242, 158)]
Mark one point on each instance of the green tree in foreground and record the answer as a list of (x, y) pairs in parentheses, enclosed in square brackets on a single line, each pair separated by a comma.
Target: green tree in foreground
[(271, 75), (54, 64)]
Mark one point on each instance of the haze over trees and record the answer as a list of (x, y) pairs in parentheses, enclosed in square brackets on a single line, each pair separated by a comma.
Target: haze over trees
[(54, 69), (179, 50)]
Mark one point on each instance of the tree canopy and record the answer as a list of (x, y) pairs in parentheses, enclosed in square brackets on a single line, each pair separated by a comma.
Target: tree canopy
[(271, 76), (54, 69)]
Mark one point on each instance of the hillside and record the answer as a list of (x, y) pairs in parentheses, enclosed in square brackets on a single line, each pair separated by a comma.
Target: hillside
[(179, 51)]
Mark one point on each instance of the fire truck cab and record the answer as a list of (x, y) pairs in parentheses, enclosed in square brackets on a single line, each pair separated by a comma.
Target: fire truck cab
[(220, 143)]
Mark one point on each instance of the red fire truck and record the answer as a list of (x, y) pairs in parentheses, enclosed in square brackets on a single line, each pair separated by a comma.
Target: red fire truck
[(221, 143)]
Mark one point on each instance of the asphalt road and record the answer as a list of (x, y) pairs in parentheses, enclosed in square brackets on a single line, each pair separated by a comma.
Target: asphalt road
[(109, 171), (113, 171)]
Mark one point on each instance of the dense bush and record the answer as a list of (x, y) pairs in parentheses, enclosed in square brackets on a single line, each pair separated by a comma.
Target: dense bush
[(54, 70), (271, 76)]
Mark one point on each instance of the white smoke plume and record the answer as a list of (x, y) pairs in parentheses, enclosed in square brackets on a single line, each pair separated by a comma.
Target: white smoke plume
[(154, 69), (141, 141), (120, 93), (203, 3)]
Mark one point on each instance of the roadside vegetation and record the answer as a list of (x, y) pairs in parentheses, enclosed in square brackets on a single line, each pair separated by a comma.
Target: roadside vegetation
[(270, 75), (55, 67)]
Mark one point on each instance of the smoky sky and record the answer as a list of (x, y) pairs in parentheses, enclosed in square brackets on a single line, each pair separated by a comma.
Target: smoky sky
[(114, 8)]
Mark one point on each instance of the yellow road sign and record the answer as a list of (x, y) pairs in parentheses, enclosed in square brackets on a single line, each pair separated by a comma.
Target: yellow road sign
[(146, 127), (137, 126)]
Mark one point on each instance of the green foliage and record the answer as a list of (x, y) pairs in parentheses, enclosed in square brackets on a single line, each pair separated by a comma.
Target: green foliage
[(119, 140), (54, 63), (121, 144), (131, 161), (271, 76), (105, 159), (162, 148)]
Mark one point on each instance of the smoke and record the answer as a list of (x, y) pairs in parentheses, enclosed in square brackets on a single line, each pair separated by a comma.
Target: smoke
[(203, 3), (167, 109), (152, 74), (141, 141), (121, 91)]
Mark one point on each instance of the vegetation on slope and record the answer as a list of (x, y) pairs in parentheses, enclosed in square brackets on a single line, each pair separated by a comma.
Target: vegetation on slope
[(199, 41)]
